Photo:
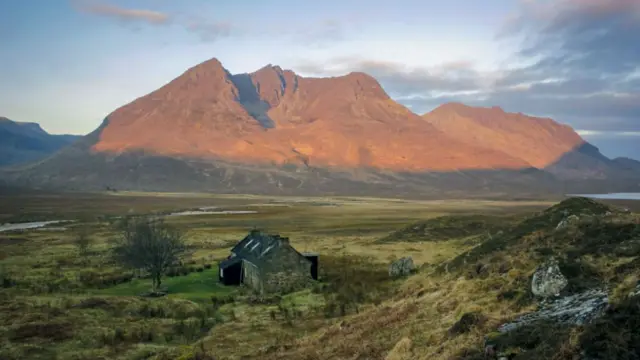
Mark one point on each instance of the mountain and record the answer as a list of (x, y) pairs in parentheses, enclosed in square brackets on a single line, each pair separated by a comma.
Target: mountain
[(27, 142), (627, 163), (276, 116), (273, 131), (538, 141), (541, 142)]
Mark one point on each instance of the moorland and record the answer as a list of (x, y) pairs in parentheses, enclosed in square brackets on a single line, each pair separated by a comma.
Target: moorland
[(61, 300)]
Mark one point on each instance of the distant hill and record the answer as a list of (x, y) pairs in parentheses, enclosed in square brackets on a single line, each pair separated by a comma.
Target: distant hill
[(275, 132), (27, 142)]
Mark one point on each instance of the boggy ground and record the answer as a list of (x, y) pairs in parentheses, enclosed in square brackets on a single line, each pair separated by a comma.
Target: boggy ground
[(59, 303)]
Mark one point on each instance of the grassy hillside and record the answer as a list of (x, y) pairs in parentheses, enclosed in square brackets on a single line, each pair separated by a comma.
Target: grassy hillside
[(475, 261)]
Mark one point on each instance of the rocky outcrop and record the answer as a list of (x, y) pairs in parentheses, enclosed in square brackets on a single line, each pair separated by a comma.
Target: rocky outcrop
[(578, 309), (402, 267), (548, 280)]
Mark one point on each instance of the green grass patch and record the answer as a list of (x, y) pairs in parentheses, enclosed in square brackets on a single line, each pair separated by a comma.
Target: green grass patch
[(197, 286)]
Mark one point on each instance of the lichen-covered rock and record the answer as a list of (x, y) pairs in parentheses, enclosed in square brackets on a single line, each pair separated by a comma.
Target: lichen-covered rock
[(562, 225), (576, 309), (548, 280), (402, 267), (569, 220)]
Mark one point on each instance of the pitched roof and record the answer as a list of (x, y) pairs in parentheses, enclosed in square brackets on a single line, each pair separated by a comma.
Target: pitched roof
[(257, 245)]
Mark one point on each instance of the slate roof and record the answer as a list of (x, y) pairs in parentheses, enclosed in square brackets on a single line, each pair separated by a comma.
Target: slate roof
[(253, 248)]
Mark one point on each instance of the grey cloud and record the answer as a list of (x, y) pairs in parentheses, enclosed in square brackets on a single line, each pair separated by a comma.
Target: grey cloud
[(398, 79), (596, 37), (584, 68)]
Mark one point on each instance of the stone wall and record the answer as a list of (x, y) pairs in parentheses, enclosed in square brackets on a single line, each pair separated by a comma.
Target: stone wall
[(285, 270), (252, 276)]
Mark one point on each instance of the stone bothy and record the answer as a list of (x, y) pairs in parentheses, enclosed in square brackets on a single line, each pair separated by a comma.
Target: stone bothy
[(268, 263)]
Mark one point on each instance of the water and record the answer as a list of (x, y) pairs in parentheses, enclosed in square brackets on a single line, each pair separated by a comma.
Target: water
[(611, 196), (27, 225), (41, 224), (206, 212)]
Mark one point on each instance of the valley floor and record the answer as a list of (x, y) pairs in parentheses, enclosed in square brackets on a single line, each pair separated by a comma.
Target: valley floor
[(59, 303)]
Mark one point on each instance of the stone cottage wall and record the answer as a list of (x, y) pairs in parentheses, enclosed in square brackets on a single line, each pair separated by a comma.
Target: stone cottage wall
[(252, 276), (285, 270)]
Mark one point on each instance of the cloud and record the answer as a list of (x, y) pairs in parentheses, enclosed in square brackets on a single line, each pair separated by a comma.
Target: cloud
[(579, 63), (597, 133), (206, 30), (400, 80), (122, 14)]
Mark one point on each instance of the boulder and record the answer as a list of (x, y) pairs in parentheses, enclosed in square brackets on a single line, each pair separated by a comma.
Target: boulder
[(402, 267), (578, 309), (569, 220), (548, 280)]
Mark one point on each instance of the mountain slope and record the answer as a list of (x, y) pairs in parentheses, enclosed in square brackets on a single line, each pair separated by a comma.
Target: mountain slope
[(26, 142), (538, 141), (276, 116), (542, 142)]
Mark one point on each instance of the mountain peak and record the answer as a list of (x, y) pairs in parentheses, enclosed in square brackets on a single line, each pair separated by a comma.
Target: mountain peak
[(460, 107), (207, 69), (361, 76), (270, 68)]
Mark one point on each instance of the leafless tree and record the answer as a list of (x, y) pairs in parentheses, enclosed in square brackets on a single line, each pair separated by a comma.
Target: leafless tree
[(149, 245), (82, 240)]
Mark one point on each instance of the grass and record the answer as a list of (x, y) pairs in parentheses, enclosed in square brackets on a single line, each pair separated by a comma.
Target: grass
[(197, 287), (449, 227), (59, 303)]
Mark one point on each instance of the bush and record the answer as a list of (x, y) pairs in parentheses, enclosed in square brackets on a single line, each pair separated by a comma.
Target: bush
[(616, 335), (467, 322)]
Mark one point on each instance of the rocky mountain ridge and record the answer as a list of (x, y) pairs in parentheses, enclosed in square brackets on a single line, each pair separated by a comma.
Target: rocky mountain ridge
[(273, 131)]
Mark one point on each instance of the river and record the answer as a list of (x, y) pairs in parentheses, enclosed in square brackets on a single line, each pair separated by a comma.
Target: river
[(611, 196)]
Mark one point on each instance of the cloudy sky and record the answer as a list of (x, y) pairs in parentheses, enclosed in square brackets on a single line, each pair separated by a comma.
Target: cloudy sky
[(67, 64)]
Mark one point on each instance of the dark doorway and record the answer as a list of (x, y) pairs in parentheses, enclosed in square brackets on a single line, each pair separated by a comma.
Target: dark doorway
[(231, 274), (314, 264)]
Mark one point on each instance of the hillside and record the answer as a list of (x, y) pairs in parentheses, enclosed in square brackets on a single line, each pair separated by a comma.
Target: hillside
[(541, 142), (27, 142), (275, 132)]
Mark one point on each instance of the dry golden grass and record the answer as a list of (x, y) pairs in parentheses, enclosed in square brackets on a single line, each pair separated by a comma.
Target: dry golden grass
[(403, 319)]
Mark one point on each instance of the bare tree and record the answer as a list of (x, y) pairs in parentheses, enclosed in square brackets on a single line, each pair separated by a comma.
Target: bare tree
[(82, 240), (149, 245)]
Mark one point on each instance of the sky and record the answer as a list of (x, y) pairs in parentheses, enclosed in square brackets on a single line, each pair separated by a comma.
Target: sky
[(67, 64)]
